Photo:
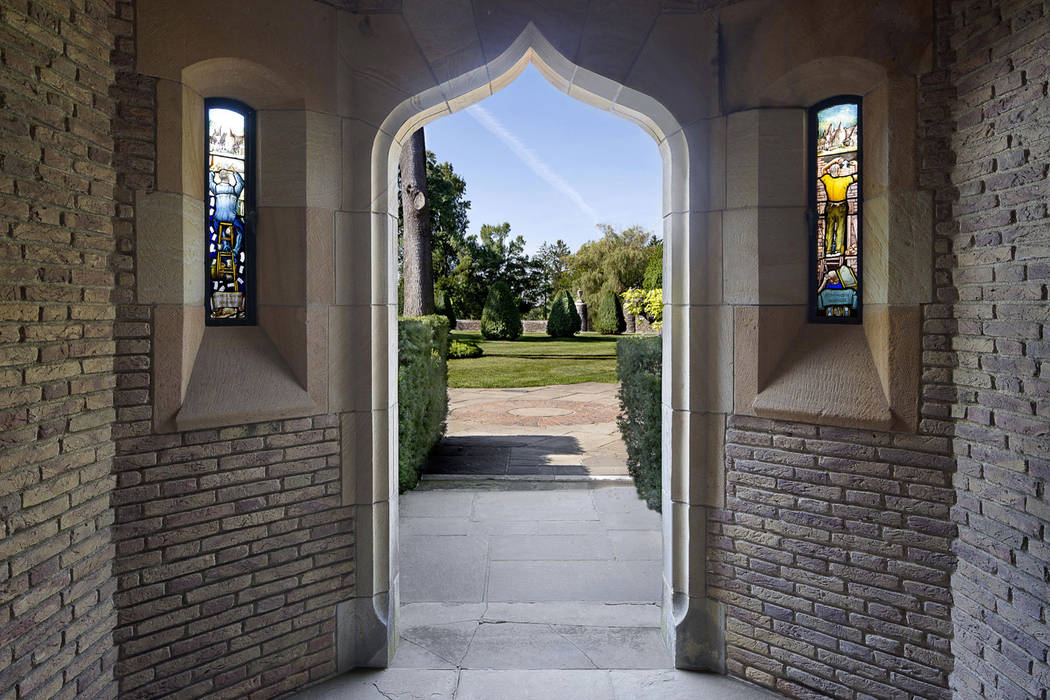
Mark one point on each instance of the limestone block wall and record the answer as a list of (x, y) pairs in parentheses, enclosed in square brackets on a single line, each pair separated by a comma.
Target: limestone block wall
[(56, 351), (232, 546), (833, 557), (996, 266)]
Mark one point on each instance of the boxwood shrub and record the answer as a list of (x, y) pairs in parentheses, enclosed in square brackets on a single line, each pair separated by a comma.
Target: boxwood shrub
[(443, 307), (609, 320), (500, 318), (563, 320), (462, 349), (638, 367), (422, 386)]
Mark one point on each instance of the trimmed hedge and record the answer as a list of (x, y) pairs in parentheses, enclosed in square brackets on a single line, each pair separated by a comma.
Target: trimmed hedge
[(500, 319), (422, 386), (609, 318), (564, 320), (638, 367)]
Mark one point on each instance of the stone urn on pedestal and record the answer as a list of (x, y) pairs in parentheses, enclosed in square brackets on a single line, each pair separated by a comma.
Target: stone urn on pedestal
[(581, 309)]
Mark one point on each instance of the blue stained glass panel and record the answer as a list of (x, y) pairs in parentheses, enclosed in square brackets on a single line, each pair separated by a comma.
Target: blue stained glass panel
[(227, 235)]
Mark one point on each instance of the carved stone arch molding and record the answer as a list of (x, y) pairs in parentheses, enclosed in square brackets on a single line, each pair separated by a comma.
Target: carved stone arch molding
[(697, 387)]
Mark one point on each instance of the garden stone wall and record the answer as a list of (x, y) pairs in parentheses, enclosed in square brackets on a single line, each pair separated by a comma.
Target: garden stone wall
[(534, 325), (527, 325)]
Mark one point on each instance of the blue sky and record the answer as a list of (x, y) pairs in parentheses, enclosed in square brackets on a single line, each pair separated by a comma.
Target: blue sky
[(550, 165)]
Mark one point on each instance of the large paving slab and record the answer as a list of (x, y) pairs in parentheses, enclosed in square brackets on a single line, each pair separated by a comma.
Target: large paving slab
[(546, 684), (530, 576), (518, 591)]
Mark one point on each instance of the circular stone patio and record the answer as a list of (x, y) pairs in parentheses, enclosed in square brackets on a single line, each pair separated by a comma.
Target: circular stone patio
[(514, 410), (547, 433)]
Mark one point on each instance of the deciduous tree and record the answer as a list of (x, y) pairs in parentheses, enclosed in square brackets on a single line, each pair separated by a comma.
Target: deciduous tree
[(418, 263)]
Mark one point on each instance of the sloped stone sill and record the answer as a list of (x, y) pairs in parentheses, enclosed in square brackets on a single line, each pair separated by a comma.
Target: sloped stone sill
[(827, 376), (239, 377)]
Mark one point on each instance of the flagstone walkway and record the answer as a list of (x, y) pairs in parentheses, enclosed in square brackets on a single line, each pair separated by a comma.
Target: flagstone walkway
[(550, 432), (529, 567), (530, 591)]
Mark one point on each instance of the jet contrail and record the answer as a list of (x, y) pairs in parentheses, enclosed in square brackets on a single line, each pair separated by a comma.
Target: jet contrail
[(529, 158)]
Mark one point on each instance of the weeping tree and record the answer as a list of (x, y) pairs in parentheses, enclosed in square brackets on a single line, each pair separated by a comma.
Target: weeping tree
[(418, 263)]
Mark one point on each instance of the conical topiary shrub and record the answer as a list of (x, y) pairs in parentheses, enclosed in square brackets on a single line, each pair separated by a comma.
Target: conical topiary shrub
[(443, 307), (609, 318), (563, 320), (500, 319)]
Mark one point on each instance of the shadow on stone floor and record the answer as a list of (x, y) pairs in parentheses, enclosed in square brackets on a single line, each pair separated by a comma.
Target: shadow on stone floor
[(506, 455)]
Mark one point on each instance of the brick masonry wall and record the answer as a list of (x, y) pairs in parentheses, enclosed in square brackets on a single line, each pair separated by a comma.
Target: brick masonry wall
[(834, 552), (833, 557), (56, 350), (232, 552), (995, 58), (231, 547)]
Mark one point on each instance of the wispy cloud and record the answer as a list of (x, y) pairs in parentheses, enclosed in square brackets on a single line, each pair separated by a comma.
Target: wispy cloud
[(531, 159)]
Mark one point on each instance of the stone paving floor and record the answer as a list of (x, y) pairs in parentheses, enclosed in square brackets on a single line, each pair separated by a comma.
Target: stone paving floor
[(528, 570), (549, 432)]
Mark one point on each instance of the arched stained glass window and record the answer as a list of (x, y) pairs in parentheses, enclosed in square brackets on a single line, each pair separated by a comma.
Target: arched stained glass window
[(835, 158), (229, 235)]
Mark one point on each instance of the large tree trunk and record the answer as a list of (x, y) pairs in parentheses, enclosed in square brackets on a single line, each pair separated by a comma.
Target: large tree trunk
[(418, 261)]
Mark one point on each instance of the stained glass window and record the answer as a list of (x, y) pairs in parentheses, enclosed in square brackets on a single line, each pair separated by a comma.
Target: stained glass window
[(835, 162), (230, 175)]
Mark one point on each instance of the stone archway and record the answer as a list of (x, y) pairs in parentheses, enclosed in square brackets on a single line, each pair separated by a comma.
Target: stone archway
[(692, 440)]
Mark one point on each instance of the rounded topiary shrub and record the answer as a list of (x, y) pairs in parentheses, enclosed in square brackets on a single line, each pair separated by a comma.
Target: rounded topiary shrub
[(563, 320), (463, 349), (500, 319), (608, 319), (443, 307)]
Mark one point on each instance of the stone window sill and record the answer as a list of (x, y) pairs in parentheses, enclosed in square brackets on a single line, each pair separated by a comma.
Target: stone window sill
[(827, 376), (239, 377)]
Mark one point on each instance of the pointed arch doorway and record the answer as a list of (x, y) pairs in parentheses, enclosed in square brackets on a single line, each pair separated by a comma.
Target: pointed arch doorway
[(693, 624)]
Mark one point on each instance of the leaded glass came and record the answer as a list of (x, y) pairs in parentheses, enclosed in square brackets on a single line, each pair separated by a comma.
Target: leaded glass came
[(835, 130), (229, 183)]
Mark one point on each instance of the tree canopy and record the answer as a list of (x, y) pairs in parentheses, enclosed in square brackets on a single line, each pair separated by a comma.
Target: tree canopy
[(616, 261), (467, 266)]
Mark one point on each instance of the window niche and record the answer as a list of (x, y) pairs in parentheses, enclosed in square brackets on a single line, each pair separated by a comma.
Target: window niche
[(791, 361), (238, 335)]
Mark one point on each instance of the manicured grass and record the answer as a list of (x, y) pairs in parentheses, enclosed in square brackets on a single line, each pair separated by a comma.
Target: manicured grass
[(535, 359)]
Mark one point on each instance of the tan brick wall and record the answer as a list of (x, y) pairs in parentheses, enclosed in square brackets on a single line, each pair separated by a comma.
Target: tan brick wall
[(232, 548), (56, 350), (996, 57)]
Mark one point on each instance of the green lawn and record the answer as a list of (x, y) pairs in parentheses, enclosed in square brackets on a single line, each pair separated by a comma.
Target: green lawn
[(535, 359)]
